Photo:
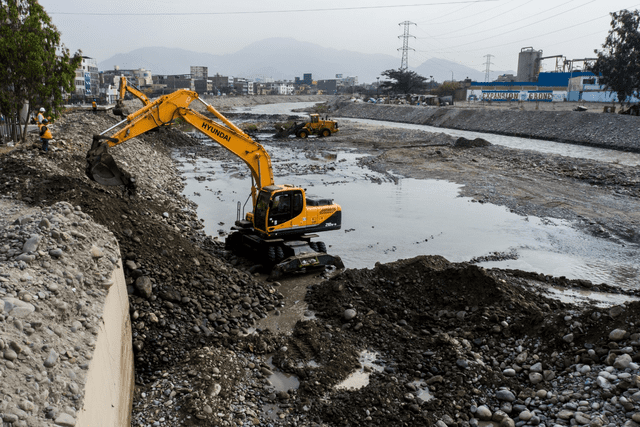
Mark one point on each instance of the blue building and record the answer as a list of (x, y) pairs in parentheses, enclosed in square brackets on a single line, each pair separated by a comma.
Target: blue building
[(550, 87)]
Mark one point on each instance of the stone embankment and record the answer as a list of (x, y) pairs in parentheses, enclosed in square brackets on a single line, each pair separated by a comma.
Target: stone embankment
[(618, 132), (65, 335), (224, 102)]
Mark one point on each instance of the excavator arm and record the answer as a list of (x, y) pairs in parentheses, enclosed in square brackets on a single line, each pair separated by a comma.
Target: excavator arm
[(119, 109), (102, 168)]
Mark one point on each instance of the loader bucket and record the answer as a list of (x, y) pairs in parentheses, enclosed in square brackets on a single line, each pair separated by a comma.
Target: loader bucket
[(101, 167)]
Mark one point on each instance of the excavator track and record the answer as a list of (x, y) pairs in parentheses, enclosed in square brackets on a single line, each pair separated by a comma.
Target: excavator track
[(298, 255)]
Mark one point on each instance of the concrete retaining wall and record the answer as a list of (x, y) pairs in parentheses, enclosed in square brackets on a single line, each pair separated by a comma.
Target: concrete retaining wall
[(612, 131), (110, 379)]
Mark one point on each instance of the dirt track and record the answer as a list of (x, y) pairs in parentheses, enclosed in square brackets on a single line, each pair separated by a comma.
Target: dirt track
[(483, 343)]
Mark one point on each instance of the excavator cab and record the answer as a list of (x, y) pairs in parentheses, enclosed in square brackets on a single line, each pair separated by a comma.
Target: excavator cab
[(277, 209)]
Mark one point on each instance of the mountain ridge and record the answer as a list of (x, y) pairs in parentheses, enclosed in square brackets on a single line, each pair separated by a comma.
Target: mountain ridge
[(283, 59)]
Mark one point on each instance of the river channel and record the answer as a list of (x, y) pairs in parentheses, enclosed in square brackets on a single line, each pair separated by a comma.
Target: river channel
[(388, 219)]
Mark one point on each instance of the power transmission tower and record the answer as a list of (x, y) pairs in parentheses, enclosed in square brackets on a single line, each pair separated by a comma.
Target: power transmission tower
[(404, 64), (488, 69)]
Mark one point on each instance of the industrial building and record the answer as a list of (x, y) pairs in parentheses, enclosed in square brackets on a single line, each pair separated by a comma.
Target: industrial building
[(567, 83)]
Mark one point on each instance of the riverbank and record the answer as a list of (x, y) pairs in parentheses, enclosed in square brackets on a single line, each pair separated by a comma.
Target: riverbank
[(614, 131), (454, 344)]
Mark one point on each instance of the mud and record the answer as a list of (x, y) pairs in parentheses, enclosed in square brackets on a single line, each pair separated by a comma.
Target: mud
[(462, 333)]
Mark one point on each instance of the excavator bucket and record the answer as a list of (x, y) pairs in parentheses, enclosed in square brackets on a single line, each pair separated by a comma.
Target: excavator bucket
[(101, 167), (302, 262), (120, 109)]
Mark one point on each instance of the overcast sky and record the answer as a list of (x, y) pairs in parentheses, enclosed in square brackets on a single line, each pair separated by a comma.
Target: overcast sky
[(460, 31)]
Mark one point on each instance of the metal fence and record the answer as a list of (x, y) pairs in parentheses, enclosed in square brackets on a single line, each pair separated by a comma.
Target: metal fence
[(10, 129)]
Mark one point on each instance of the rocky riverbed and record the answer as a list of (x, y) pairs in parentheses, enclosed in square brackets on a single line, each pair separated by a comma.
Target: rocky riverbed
[(437, 343), (613, 131)]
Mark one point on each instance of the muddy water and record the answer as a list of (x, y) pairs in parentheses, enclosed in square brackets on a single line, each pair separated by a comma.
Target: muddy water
[(388, 219)]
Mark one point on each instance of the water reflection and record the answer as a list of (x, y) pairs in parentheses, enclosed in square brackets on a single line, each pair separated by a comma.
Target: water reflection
[(384, 221)]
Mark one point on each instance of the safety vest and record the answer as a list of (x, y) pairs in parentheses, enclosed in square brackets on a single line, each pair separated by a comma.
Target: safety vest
[(40, 118), (46, 134)]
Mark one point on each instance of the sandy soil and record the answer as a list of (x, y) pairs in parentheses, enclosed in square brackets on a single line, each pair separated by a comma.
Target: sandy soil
[(454, 344)]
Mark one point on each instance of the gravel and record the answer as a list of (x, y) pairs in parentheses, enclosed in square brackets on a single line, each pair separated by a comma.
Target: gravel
[(612, 131)]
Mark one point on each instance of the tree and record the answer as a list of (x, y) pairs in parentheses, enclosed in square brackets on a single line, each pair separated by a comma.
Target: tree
[(403, 81), (618, 65), (37, 69), (446, 88)]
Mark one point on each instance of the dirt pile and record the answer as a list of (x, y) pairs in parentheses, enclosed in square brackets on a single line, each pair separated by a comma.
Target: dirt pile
[(181, 297), (455, 331)]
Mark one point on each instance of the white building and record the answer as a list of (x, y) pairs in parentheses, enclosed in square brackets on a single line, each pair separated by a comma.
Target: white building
[(143, 77), (283, 88), (109, 93), (87, 80)]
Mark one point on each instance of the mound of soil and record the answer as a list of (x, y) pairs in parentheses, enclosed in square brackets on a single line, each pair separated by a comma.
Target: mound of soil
[(435, 326)]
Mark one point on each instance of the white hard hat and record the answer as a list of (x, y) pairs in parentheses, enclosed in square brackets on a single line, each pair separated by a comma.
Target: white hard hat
[(42, 110)]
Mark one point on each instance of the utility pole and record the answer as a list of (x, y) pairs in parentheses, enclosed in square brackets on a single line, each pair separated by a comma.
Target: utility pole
[(404, 64), (488, 69)]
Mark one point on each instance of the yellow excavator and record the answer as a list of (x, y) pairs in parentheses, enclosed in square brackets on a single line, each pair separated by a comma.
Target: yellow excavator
[(120, 109), (280, 227)]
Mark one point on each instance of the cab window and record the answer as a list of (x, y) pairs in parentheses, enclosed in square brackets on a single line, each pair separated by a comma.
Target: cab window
[(285, 206), (262, 205), (297, 203)]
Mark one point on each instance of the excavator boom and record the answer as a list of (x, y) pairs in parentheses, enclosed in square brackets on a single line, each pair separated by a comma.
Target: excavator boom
[(102, 169)]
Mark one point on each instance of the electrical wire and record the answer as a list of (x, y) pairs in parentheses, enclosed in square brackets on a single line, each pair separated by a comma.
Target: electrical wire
[(446, 14), (439, 39), (493, 17), (257, 12), (527, 40), (524, 26), (464, 17), (514, 23)]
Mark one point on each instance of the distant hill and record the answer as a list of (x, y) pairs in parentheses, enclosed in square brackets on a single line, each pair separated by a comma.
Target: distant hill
[(281, 58)]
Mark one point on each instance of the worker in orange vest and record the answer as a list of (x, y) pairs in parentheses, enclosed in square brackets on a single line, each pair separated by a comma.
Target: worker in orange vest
[(45, 135), (40, 117), (95, 107)]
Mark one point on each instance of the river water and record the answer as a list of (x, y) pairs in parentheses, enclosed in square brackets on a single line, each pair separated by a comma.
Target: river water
[(385, 220), (542, 146)]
